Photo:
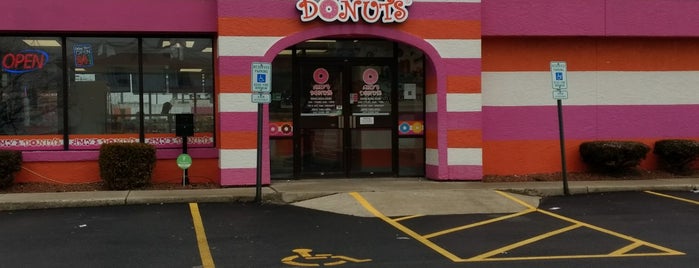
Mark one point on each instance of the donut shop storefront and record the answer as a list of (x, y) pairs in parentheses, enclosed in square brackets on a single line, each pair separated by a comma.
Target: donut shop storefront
[(372, 88), (358, 89)]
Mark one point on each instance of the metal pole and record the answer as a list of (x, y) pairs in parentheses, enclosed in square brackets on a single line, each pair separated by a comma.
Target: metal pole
[(258, 188), (563, 149), (185, 179)]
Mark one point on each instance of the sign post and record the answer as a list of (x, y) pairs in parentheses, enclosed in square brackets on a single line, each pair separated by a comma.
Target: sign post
[(184, 161), (261, 86), (559, 81)]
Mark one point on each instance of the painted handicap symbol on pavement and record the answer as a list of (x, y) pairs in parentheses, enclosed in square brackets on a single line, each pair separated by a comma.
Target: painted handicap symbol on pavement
[(306, 259)]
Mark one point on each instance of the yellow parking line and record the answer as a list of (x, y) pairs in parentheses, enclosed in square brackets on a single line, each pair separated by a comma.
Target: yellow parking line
[(404, 229), (456, 229), (674, 197), (204, 252), (626, 249), (408, 217), (523, 242), (609, 232)]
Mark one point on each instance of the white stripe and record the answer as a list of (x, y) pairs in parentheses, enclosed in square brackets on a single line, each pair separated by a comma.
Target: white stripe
[(432, 157), (465, 156), (236, 102), (238, 158), (457, 48), (449, 1), (244, 45), (464, 102), (431, 104), (592, 88)]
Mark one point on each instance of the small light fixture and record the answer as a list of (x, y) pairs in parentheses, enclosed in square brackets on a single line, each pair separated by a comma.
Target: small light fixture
[(42, 43), (189, 44), (190, 70), (207, 50)]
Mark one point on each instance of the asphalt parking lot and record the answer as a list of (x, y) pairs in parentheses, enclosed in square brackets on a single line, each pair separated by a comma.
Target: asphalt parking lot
[(624, 229)]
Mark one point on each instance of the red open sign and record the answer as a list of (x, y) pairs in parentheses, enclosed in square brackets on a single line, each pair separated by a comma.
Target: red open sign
[(24, 61)]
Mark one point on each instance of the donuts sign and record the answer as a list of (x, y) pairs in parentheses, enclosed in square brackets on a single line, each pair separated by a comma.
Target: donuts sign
[(370, 11)]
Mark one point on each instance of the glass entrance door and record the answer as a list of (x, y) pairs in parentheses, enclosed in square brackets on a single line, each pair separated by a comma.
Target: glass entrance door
[(345, 119)]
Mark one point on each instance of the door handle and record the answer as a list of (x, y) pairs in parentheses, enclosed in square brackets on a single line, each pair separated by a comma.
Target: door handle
[(340, 121)]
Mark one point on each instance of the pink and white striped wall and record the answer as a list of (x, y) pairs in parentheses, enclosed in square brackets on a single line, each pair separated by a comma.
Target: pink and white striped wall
[(633, 74), (447, 31)]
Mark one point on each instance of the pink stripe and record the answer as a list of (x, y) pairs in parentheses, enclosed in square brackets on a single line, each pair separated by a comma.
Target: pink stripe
[(544, 17), (76, 156), (245, 121), (591, 122), (258, 9), (471, 173), (236, 65), (652, 18), (33, 148), (590, 18), (109, 15), (433, 172), (287, 9), (461, 67), (444, 11), (431, 120), (464, 120), (242, 177)]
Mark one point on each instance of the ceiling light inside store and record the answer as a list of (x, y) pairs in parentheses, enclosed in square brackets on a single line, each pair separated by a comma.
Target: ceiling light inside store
[(166, 43), (190, 70), (42, 43), (207, 50), (189, 44)]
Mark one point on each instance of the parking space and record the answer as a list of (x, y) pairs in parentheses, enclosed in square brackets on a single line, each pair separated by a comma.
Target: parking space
[(634, 229), (532, 234), (119, 236)]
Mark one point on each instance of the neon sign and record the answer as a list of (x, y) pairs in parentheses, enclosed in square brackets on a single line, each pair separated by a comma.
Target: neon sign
[(370, 11), (24, 61)]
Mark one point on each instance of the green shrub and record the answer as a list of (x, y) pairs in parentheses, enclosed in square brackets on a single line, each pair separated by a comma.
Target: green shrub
[(126, 166), (613, 157), (676, 155), (10, 163)]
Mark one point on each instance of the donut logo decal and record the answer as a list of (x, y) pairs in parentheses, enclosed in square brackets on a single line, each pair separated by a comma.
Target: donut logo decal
[(370, 76), (321, 76), (281, 129)]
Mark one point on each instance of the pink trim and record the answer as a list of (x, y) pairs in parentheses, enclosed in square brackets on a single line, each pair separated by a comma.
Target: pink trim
[(242, 177), (470, 173), (591, 122), (77, 156), (109, 15)]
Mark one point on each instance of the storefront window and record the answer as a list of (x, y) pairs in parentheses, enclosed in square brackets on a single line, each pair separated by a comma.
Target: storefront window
[(31, 93), (102, 90), (105, 100), (178, 78)]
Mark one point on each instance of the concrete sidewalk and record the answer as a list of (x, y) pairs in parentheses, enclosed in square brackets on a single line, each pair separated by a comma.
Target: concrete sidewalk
[(395, 196)]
